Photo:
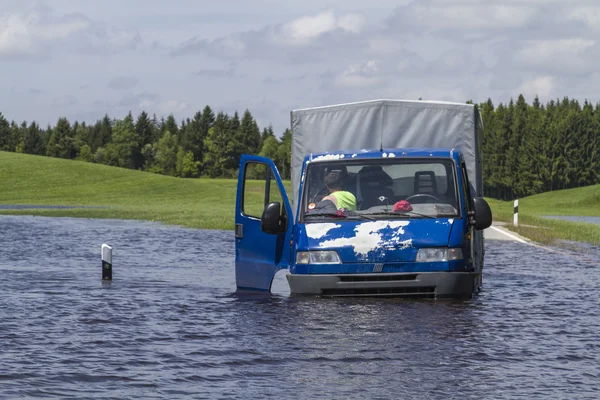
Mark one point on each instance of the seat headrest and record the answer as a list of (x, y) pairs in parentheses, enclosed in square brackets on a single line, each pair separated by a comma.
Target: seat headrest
[(375, 173), (425, 182)]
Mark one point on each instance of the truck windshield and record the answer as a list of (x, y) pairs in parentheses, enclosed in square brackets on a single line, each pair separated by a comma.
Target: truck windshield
[(380, 189)]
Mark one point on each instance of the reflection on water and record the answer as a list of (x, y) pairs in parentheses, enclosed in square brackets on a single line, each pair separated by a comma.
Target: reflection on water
[(169, 325)]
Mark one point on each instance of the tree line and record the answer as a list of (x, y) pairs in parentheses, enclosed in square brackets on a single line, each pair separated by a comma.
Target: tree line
[(527, 149), (530, 149), (206, 145)]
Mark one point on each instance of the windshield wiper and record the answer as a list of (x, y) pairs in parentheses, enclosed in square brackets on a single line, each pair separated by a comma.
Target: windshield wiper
[(325, 215), (402, 214), (351, 216), (361, 216)]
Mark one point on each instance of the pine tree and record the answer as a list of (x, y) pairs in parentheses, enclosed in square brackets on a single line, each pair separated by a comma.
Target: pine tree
[(145, 133), (166, 154), (585, 174), (488, 117), (234, 122), (594, 152), (196, 133), (498, 146), (266, 133), (515, 158), (247, 138), (270, 148), (4, 133), (32, 142), (284, 155), (216, 160), (234, 147), (571, 149), (81, 137), (121, 151), (19, 137), (14, 137), (101, 133), (60, 143), (534, 172), (171, 125)]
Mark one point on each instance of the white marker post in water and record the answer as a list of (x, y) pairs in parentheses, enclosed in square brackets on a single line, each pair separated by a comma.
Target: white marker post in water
[(516, 215), (106, 262)]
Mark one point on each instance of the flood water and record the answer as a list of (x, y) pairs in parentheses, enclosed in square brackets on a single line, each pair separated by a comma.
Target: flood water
[(586, 219), (169, 325)]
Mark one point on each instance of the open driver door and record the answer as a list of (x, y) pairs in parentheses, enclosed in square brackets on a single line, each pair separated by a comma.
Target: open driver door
[(263, 224)]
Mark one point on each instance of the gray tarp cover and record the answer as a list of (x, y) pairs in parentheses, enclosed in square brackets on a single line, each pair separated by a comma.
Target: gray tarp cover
[(390, 124)]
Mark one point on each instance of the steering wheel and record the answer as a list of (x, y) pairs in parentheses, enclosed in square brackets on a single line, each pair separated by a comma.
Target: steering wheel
[(423, 195), (319, 195)]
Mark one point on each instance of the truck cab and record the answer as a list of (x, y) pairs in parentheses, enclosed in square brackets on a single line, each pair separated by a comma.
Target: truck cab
[(404, 222)]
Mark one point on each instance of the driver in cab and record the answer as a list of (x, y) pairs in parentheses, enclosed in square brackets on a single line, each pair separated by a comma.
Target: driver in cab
[(341, 199)]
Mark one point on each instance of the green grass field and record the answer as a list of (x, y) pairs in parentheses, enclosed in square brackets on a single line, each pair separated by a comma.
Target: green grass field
[(125, 194), (210, 203), (583, 201)]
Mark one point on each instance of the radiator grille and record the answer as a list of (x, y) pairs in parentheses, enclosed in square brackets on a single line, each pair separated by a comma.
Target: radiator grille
[(377, 278), (420, 291)]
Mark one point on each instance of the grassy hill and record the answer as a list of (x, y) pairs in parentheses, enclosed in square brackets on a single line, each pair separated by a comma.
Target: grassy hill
[(210, 203), (123, 193)]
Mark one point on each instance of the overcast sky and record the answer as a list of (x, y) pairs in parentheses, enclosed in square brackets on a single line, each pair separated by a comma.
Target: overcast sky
[(84, 58)]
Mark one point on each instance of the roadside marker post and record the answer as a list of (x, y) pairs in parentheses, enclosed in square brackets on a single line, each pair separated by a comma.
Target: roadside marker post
[(106, 253), (516, 213)]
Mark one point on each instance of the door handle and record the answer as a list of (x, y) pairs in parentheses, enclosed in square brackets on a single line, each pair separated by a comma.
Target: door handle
[(239, 230)]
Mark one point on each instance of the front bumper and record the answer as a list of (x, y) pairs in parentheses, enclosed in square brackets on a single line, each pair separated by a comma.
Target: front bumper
[(416, 284)]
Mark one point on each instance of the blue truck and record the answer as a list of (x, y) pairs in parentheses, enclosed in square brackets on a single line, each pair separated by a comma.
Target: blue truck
[(387, 201)]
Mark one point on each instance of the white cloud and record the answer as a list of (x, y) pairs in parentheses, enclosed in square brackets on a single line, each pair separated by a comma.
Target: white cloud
[(352, 23), (36, 32), (566, 55), (450, 16), (300, 41), (541, 86), (123, 82), (433, 92), (172, 107), (14, 35), (360, 75), (25, 34), (64, 28), (308, 28), (542, 51), (384, 44), (151, 102), (589, 15), (64, 101)]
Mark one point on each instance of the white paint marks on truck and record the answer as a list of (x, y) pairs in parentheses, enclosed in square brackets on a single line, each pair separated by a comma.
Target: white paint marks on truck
[(328, 157), (317, 231), (368, 237)]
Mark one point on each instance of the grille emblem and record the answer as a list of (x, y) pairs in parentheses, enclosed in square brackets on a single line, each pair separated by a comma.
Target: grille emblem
[(378, 267)]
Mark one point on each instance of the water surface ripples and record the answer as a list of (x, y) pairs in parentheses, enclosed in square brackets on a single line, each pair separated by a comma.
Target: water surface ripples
[(169, 325)]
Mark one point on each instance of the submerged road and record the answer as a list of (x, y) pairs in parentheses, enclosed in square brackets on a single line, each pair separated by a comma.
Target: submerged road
[(170, 324), (498, 232)]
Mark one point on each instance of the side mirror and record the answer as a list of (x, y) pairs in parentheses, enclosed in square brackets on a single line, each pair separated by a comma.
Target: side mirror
[(483, 213), (271, 221)]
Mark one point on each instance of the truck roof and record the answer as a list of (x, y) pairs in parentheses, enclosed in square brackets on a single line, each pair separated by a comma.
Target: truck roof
[(378, 101), (385, 153)]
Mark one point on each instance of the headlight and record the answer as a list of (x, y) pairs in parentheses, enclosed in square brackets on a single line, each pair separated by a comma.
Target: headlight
[(317, 257), (439, 254)]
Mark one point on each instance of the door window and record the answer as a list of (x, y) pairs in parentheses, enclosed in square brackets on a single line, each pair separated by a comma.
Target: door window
[(466, 189), (260, 189)]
